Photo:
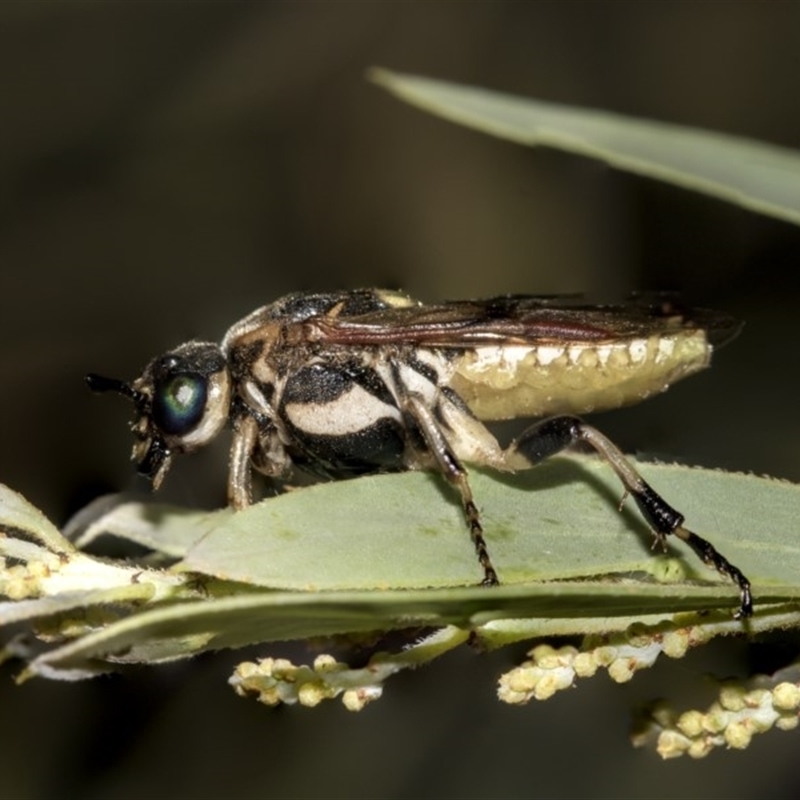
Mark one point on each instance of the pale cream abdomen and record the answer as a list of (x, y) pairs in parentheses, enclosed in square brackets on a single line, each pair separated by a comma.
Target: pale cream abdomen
[(523, 381)]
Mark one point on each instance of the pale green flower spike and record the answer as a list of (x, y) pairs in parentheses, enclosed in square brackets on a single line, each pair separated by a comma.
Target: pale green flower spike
[(276, 680), (742, 711)]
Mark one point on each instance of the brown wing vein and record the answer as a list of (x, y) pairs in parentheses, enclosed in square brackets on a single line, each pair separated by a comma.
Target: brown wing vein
[(508, 320)]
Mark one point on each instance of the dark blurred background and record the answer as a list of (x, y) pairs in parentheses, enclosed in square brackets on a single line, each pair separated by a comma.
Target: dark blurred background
[(166, 167)]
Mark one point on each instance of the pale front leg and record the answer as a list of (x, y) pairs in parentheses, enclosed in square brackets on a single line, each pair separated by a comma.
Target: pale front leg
[(245, 438), (255, 447)]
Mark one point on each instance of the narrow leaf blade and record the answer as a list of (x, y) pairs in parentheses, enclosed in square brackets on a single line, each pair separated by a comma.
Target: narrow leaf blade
[(755, 175)]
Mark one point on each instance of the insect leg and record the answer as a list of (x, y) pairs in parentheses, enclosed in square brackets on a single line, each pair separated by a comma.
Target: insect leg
[(455, 473), (245, 438), (553, 435)]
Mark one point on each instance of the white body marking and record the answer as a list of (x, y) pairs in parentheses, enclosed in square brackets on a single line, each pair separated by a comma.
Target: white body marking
[(413, 382), (351, 412), (536, 381), (638, 350)]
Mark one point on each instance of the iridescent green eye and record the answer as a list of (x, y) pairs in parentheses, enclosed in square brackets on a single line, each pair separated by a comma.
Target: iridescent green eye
[(179, 403)]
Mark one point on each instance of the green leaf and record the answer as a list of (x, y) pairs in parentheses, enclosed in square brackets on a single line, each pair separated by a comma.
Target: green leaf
[(170, 530), (558, 521), (23, 521), (44, 575), (758, 176), (392, 551)]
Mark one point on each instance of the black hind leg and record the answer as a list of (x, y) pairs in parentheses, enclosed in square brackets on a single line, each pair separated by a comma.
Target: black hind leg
[(553, 435)]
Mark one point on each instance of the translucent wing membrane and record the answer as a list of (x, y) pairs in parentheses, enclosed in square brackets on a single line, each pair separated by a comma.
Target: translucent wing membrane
[(516, 320)]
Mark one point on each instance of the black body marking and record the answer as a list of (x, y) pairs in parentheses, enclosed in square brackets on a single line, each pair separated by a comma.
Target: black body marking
[(377, 448), (242, 358), (661, 516)]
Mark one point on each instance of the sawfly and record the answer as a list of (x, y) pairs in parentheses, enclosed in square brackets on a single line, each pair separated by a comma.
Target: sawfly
[(351, 382)]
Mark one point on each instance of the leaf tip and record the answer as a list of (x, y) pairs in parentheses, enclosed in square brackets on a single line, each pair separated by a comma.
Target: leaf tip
[(379, 76)]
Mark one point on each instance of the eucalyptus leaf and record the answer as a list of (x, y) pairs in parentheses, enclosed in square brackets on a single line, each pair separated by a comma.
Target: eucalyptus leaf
[(558, 521), (23, 521), (392, 551), (170, 530), (550, 609), (44, 576), (755, 175)]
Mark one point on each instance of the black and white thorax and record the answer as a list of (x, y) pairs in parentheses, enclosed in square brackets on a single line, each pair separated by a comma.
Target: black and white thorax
[(352, 382), (339, 411)]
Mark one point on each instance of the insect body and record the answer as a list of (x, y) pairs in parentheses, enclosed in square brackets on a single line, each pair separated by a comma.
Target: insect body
[(351, 382)]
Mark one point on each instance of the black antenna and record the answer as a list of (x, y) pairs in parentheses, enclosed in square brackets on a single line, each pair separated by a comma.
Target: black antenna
[(99, 383)]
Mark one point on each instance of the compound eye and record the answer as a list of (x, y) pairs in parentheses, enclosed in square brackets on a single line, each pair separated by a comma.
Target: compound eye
[(179, 403)]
